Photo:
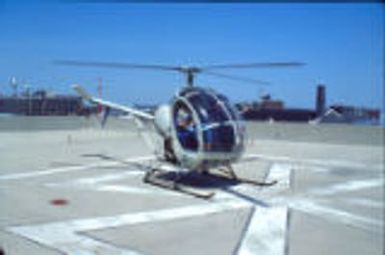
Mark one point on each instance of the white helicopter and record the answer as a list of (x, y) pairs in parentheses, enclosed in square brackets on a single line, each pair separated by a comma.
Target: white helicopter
[(200, 128)]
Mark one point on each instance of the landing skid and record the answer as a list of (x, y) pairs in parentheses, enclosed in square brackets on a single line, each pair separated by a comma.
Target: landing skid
[(156, 177), (153, 178), (228, 171)]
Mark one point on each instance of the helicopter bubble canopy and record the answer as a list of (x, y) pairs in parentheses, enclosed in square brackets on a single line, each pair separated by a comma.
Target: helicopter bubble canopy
[(206, 123)]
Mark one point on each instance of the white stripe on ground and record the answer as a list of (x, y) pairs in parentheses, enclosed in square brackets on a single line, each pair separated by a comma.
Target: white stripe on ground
[(319, 162), (126, 189), (108, 177), (100, 183), (280, 173), (105, 188), (311, 207), (353, 185), (117, 188), (365, 203), (68, 169), (277, 172), (266, 232), (64, 236), (89, 181)]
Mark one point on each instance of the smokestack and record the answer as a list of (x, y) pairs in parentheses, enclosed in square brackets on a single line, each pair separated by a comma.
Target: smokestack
[(320, 100)]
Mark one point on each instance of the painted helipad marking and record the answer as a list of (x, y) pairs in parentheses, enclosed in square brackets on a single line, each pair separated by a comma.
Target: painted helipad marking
[(308, 206), (266, 232), (108, 177), (282, 174), (365, 203), (103, 183), (277, 172), (69, 169), (264, 235), (65, 236), (353, 185), (324, 162), (116, 188)]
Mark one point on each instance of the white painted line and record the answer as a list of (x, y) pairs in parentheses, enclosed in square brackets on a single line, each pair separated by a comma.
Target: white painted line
[(67, 169), (104, 188), (280, 173), (99, 179), (365, 203), (348, 186), (308, 206), (265, 235), (125, 189), (99, 183), (108, 177), (266, 232), (277, 172), (319, 162), (65, 237)]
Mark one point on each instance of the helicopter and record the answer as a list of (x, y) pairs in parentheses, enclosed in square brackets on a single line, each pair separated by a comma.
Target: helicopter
[(200, 128)]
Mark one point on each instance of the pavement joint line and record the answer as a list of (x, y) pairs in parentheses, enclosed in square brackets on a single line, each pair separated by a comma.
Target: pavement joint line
[(50, 171)]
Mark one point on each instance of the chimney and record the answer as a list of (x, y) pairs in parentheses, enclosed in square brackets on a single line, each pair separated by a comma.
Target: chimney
[(320, 100)]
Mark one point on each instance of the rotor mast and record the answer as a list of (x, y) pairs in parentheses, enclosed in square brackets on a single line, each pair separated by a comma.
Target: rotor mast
[(190, 72)]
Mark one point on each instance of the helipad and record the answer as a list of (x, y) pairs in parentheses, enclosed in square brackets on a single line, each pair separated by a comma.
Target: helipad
[(328, 199)]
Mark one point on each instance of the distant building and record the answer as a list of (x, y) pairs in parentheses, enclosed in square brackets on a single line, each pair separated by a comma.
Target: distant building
[(42, 103), (268, 103), (267, 109)]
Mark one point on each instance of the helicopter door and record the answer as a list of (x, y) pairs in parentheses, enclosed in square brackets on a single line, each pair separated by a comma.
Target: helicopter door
[(185, 126)]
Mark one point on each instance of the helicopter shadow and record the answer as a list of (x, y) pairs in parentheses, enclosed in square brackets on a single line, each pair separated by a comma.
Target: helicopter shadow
[(198, 180), (208, 181), (192, 179)]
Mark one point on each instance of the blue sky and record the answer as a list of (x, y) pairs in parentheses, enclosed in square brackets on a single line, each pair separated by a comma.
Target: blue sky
[(342, 45)]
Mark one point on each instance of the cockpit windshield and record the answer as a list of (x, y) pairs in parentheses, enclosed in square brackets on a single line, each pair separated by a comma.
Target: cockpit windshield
[(216, 119), (208, 107)]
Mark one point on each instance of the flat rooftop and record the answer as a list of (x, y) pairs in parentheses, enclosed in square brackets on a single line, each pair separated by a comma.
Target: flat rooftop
[(69, 187)]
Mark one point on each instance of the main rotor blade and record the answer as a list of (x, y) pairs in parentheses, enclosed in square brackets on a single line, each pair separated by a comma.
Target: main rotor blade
[(255, 65), (237, 78), (117, 65)]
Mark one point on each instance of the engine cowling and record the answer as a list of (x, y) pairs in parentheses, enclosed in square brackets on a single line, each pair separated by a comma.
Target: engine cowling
[(163, 120)]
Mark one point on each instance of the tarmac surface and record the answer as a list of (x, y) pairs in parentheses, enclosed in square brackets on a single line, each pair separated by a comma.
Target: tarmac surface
[(69, 187)]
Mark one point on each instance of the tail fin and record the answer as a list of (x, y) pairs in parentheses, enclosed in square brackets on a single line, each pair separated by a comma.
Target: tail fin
[(82, 92)]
